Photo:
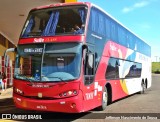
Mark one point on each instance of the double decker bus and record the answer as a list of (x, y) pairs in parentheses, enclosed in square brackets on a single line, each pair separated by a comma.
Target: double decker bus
[(74, 57)]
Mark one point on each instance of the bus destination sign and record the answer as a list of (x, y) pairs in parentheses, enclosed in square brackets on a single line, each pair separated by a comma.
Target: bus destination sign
[(33, 50)]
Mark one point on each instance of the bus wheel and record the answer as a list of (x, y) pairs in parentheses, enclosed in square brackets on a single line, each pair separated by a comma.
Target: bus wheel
[(143, 88), (104, 100)]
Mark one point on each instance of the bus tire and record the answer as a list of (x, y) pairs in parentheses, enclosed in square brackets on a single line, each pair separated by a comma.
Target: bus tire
[(104, 100), (143, 88)]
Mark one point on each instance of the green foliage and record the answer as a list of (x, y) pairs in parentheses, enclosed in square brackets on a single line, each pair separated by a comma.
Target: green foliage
[(156, 67)]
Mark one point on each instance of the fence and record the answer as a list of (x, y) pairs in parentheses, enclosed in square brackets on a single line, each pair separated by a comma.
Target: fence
[(9, 70)]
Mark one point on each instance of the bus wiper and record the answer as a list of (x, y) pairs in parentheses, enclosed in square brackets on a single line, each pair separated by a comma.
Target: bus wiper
[(29, 80), (59, 79), (24, 77)]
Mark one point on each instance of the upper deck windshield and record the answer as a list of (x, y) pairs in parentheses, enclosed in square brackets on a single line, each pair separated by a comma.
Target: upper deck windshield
[(48, 62), (55, 21)]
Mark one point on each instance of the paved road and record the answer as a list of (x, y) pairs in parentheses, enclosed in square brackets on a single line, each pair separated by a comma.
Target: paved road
[(138, 103)]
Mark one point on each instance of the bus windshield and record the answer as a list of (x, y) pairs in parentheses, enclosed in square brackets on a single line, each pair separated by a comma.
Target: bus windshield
[(48, 62), (55, 21)]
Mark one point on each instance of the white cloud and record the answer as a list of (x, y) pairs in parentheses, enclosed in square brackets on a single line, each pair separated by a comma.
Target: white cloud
[(141, 4), (135, 6), (127, 9)]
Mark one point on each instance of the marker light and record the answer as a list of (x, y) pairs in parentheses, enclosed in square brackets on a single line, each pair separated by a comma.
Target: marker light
[(73, 105), (18, 91), (69, 93)]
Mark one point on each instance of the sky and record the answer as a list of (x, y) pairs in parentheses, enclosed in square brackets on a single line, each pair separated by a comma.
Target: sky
[(140, 16)]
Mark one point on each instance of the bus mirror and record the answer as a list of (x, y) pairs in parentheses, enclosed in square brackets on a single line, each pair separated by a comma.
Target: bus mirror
[(6, 61), (6, 57), (85, 50), (90, 60), (84, 54)]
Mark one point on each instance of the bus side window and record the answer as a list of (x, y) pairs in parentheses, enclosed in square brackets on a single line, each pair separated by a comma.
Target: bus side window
[(112, 71)]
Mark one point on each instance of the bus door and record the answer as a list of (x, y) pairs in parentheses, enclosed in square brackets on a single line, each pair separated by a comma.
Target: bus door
[(88, 90)]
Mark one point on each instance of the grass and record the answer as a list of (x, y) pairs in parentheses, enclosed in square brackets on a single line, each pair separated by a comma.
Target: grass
[(156, 67)]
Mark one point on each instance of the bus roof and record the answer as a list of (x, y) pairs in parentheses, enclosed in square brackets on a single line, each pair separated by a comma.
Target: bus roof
[(62, 4)]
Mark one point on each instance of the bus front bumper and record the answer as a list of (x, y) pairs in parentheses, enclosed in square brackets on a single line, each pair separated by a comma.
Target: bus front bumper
[(67, 105)]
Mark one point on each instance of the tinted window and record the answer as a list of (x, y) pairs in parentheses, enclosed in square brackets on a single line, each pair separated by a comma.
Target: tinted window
[(122, 36), (113, 31), (135, 70), (112, 69), (94, 20), (108, 30), (131, 41), (101, 27), (97, 22), (119, 69)]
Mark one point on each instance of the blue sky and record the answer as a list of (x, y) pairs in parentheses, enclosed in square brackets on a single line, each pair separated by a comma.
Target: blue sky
[(141, 16)]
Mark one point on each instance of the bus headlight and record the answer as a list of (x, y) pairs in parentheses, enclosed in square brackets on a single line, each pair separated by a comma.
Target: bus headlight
[(69, 93)]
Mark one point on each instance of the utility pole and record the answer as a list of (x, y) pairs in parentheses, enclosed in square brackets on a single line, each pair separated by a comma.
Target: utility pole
[(156, 58)]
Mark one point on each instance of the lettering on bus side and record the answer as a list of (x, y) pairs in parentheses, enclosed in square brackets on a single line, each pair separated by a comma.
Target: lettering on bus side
[(142, 57), (40, 86), (50, 39), (113, 47), (36, 40), (41, 107), (89, 96)]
